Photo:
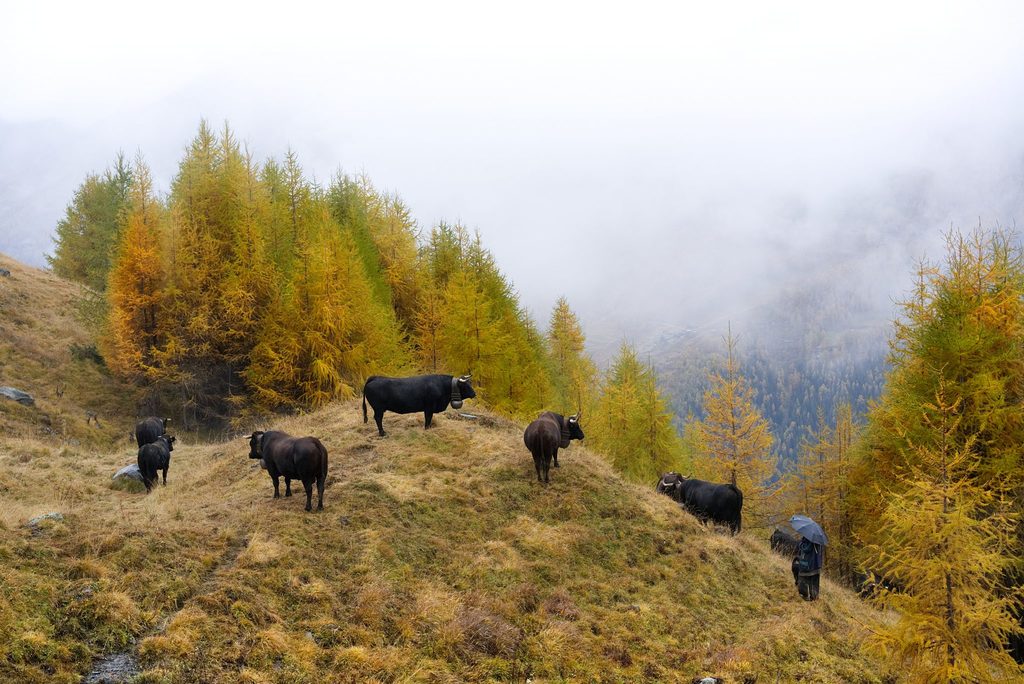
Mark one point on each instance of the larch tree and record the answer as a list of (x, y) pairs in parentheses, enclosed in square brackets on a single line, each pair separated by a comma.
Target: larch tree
[(737, 438), (349, 201), (941, 546), (220, 277), (88, 236), (325, 332), (468, 337), (957, 351), (135, 285), (426, 328), (573, 372), (632, 424), (820, 486), (395, 233)]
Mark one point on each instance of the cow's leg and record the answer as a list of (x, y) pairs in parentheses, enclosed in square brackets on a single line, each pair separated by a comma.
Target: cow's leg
[(287, 486), (165, 477), (277, 491), (378, 417), (307, 484), (427, 417), (547, 469), (320, 481), (556, 457)]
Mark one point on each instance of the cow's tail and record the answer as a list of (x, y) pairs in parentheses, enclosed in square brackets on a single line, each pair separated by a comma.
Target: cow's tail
[(739, 509), (323, 459), (365, 419)]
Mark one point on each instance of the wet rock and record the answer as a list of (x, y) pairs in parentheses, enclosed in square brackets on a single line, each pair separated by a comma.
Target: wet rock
[(113, 669), (18, 396)]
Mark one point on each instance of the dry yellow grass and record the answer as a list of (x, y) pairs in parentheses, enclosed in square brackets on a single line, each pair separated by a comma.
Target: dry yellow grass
[(44, 350), (437, 558)]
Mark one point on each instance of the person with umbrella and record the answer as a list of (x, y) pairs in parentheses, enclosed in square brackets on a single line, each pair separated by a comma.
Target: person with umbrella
[(810, 556)]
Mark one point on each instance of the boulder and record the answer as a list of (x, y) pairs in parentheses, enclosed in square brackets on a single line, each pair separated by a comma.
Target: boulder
[(18, 396), (131, 472), (36, 521)]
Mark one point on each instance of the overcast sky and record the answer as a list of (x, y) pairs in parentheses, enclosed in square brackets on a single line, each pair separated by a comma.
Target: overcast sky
[(656, 166)]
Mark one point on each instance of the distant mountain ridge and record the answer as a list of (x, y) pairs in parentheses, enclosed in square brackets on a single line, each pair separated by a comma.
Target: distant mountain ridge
[(809, 351)]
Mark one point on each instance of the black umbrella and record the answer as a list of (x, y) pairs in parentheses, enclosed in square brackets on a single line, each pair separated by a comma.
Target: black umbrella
[(809, 529)]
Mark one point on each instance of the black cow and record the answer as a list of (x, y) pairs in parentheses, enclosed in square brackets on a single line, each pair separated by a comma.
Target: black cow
[(153, 457), (293, 458), (544, 436), (149, 429), (720, 503), (670, 484), (868, 584), (428, 393), (783, 543)]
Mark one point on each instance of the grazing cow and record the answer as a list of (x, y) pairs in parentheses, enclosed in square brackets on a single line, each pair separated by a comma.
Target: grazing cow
[(153, 457), (720, 503), (293, 458), (783, 543), (149, 429), (428, 393), (544, 436)]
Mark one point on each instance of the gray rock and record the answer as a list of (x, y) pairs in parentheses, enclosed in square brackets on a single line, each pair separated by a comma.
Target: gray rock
[(129, 471), (5, 273), (18, 396), (34, 522), (113, 669)]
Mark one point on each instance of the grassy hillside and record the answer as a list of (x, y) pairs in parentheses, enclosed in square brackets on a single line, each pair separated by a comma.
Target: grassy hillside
[(45, 350), (437, 558)]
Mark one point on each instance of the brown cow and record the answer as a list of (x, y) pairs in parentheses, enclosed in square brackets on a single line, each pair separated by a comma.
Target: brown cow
[(546, 435), (293, 458)]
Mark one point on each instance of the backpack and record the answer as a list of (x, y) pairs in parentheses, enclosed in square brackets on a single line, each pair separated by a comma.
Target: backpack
[(806, 556)]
